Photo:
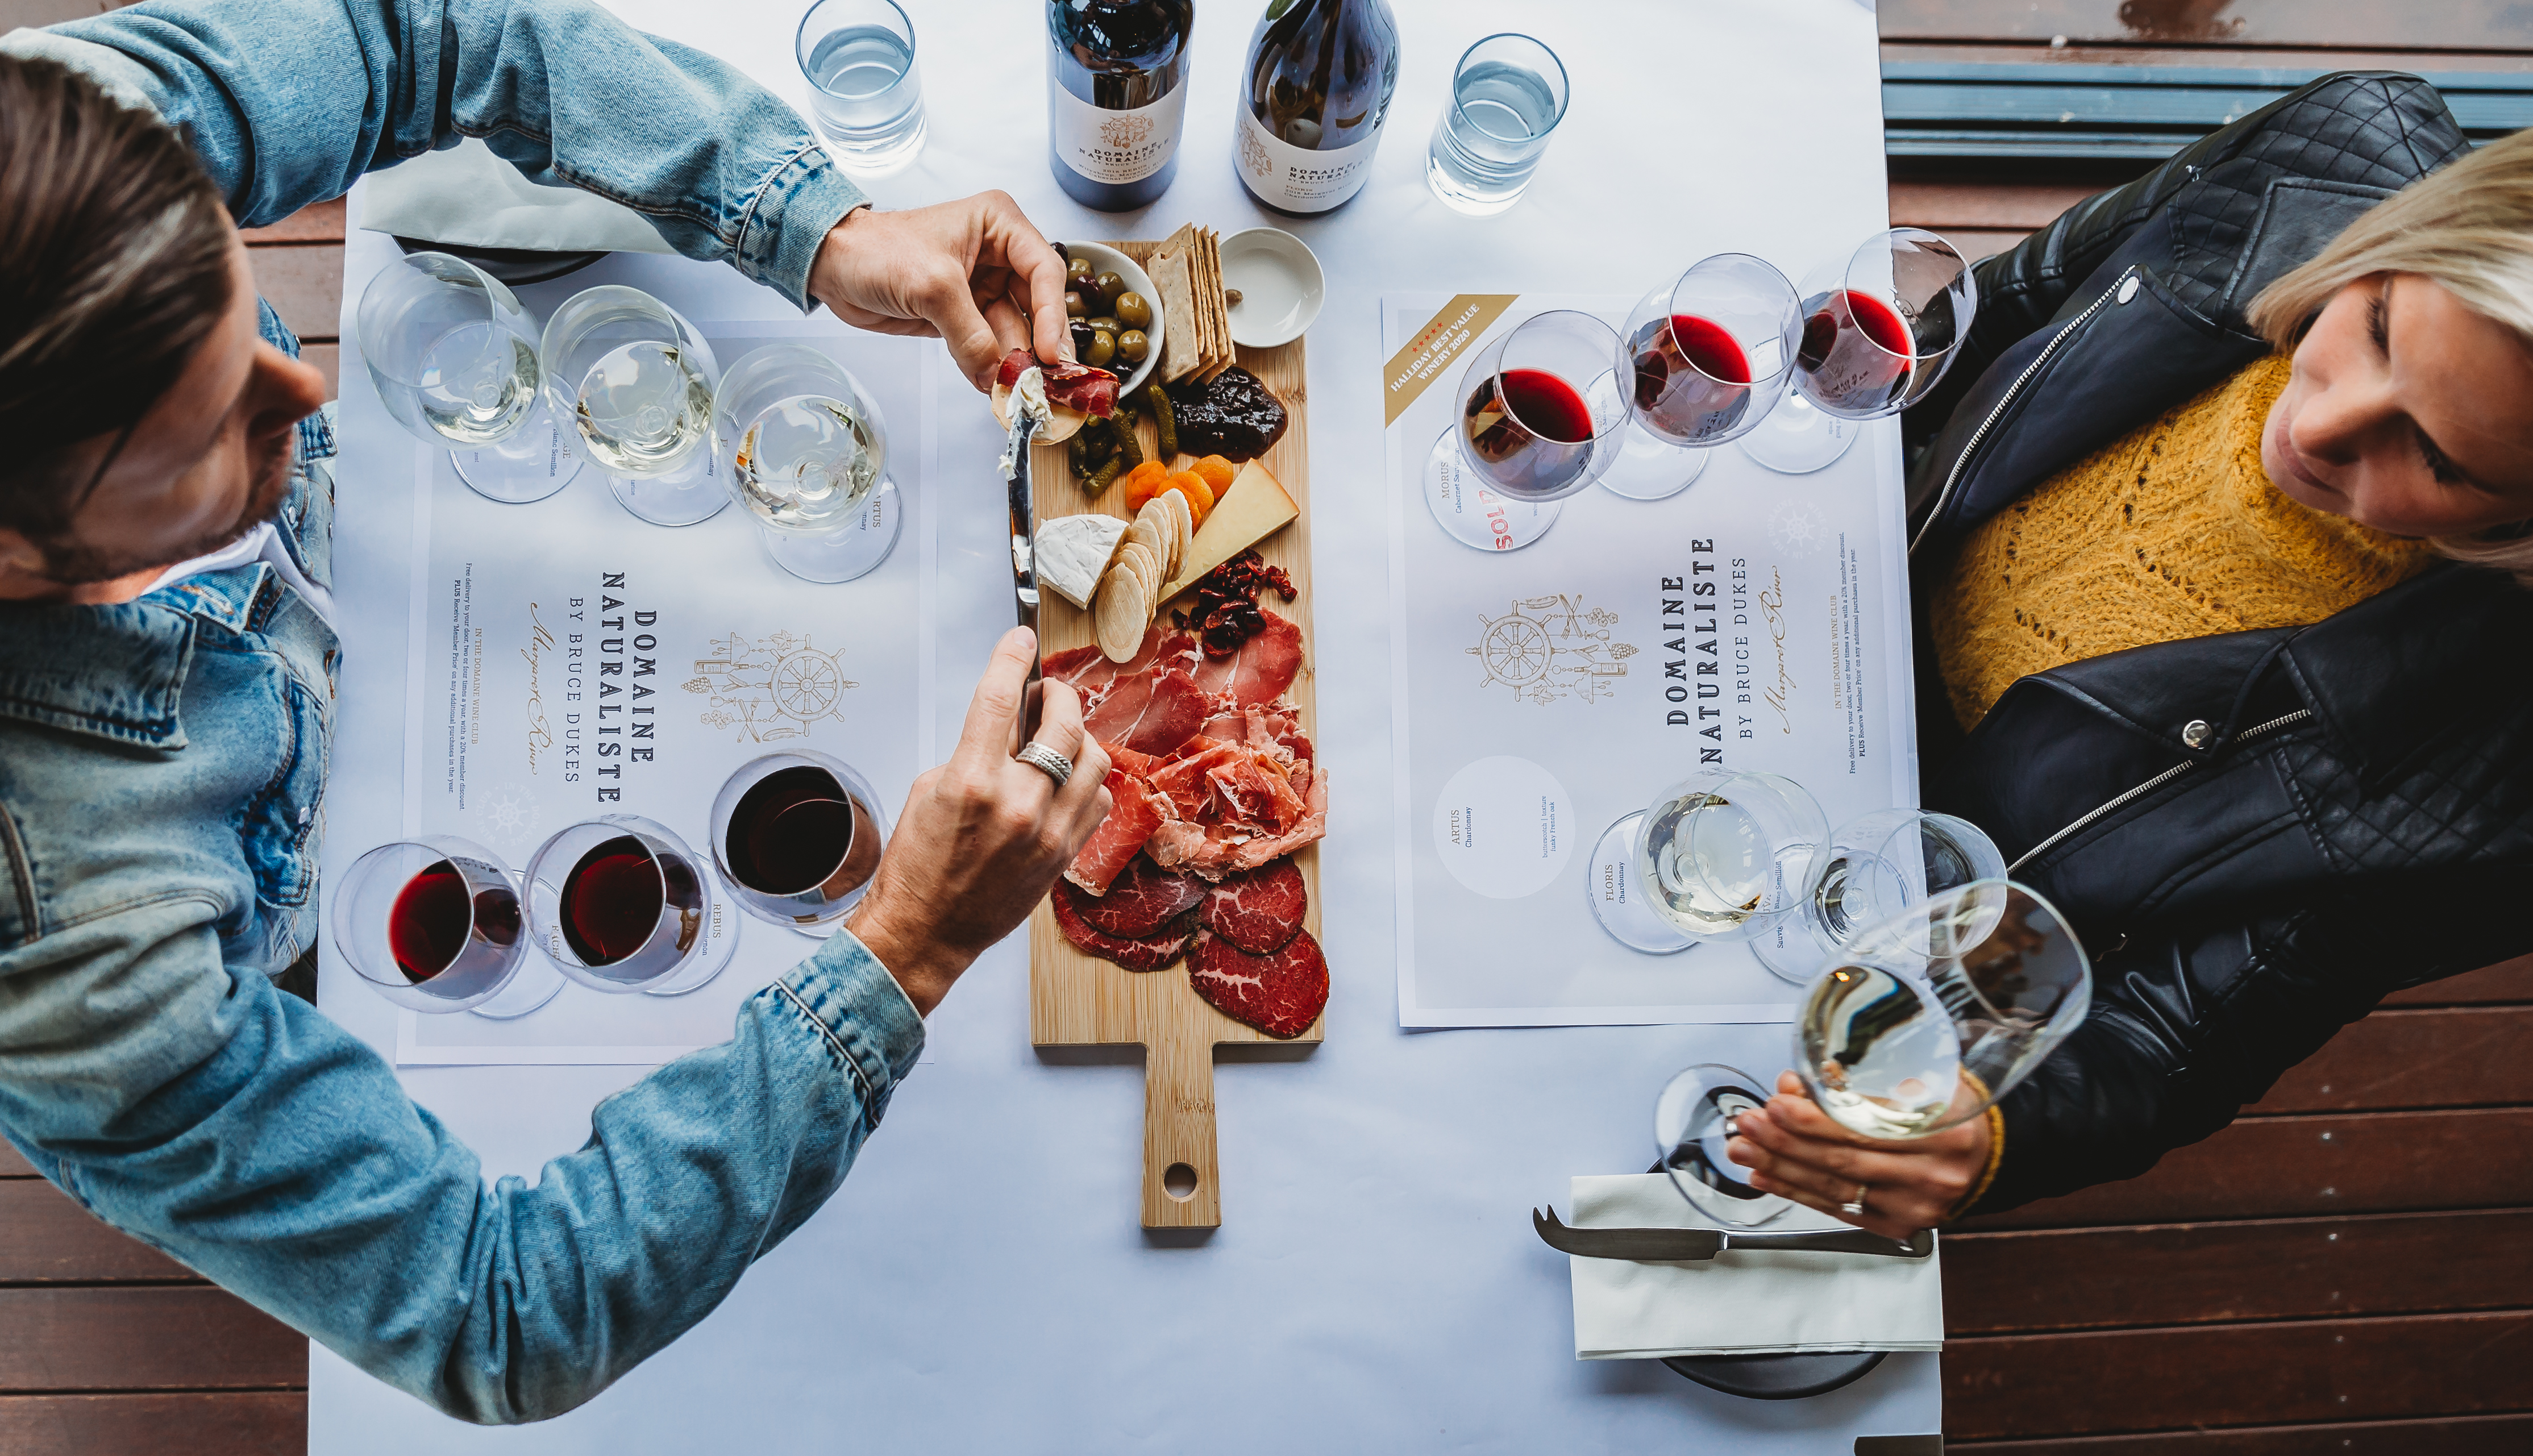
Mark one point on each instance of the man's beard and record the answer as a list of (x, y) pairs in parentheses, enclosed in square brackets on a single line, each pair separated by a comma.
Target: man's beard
[(68, 563)]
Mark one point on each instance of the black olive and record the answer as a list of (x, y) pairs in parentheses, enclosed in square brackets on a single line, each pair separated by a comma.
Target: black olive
[(1081, 336)]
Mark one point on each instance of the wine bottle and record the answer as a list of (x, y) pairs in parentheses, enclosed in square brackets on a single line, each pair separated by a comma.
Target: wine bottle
[(1317, 86), (1116, 91)]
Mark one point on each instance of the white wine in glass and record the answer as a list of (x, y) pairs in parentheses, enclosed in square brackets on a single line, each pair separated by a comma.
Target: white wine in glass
[(807, 454), (636, 381), (455, 360), (1720, 857)]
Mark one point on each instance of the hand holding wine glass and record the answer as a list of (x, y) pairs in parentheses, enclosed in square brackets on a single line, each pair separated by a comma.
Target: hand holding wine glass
[(1794, 1151)]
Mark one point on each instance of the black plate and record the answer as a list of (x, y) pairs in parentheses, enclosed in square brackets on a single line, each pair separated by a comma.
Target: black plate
[(512, 265)]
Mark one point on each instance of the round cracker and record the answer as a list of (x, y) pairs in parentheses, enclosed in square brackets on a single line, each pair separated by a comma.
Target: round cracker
[(1140, 560), (1185, 515), (1119, 614)]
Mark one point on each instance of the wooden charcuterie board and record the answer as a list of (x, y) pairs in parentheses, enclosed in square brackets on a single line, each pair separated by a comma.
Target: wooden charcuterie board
[(1077, 999)]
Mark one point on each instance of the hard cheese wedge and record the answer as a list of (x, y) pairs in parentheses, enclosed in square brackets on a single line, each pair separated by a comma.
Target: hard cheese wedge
[(1072, 551), (1253, 509)]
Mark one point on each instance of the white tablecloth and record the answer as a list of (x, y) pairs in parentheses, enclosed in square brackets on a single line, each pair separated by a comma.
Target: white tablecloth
[(981, 1282)]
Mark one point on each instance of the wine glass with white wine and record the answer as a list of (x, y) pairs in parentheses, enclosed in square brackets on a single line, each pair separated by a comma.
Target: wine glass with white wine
[(1917, 1025), (636, 381), (1869, 870), (1718, 857), (454, 357), (807, 454)]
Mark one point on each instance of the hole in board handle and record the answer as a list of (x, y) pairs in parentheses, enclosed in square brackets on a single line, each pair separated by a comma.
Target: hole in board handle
[(1178, 1180)]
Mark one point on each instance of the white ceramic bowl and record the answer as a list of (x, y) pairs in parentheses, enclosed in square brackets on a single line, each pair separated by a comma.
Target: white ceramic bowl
[(1106, 260), (1280, 286)]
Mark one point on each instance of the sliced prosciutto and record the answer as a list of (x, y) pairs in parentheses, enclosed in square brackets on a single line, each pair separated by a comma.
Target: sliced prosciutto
[(1142, 900), (1149, 712), (1076, 387), (1092, 674), (1138, 952), (1258, 910), (1259, 672), (1215, 849), (1135, 811), (1280, 994)]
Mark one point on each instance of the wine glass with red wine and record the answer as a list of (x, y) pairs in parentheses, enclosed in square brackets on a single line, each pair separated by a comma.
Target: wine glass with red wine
[(797, 836), (433, 924), (1879, 330), (1710, 353), (621, 905), (1540, 411)]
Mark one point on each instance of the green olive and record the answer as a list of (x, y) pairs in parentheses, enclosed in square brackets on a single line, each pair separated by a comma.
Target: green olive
[(1109, 286), (1133, 311), (1076, 273), (1106, 323), (1101, 348), (1132, 345), (1074, 307)]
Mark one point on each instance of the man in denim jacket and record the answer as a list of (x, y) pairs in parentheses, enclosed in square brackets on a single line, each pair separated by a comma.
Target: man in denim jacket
[(167, 669)]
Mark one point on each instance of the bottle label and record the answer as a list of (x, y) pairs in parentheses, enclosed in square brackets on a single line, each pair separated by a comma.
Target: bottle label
[(1115, 147), (1293, 178)]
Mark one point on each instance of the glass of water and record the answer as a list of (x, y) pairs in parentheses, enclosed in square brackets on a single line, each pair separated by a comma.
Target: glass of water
[(454, 357), (1507, 94), (859, 58), (636, 380), (807, 453)]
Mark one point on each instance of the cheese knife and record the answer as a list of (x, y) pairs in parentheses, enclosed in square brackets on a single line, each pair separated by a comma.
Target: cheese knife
[(1690, 1246), (1023, 501)]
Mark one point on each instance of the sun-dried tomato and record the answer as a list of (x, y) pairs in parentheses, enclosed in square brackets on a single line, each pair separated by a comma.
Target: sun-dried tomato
[(1226, 615)]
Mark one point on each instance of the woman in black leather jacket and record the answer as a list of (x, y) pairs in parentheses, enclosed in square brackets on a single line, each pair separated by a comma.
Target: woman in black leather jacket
[(2261, 834)]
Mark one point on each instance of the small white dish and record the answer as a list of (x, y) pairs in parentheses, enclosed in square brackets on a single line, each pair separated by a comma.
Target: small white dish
[(1281, 286), (1108, 259)]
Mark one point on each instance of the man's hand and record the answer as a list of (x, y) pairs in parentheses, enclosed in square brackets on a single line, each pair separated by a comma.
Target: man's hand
[(975, 274), (983, 836), (1793, 1150)]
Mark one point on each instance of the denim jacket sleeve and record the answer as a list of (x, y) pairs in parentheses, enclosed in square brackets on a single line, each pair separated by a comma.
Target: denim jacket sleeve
[(268, 1148), (559, 88)]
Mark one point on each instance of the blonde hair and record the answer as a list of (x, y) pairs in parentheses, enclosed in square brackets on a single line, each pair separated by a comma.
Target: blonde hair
[(2469, 226)]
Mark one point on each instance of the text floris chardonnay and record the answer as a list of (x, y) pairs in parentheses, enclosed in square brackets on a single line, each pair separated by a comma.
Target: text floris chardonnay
[(1315, 93), (1116, 91)]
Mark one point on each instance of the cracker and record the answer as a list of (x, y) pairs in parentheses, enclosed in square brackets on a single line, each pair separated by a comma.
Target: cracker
[(1120, 614)]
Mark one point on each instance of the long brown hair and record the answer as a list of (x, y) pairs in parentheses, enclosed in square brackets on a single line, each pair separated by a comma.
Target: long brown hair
[(114, 267)]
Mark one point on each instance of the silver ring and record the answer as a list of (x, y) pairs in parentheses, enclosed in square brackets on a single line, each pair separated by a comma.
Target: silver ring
[(1855, 1207), (1049, 762)]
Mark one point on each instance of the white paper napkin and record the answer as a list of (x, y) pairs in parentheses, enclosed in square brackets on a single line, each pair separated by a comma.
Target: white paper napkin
[(471, 197), (1739, 1303)]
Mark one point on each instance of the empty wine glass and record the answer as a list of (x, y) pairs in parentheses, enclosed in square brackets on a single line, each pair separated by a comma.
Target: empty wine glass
[(797, 836), (1540, 414), (454, 357), (1879, 329), (1710, 353), (636, 380), (1919, 1023), (807, 454), (621, 904), (432, 925), (1869, 870), (1716, 857)]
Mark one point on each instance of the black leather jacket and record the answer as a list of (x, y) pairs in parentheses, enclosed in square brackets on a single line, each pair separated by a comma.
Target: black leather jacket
[(2259, 835)]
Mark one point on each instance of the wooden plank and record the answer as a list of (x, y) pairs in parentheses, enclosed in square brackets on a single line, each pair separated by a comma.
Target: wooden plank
[(2287, 1166), (2237, 1375), (14, 1166), (2436, 1437), (305, 283), (16, 13), (162, 1338), (328, 359), (2456, 1057), (2459, 24), (2494, 54), (46, 1238), (2506, 981), (233, 1423), (317, 222), (1942, 204), (2260, 1269)]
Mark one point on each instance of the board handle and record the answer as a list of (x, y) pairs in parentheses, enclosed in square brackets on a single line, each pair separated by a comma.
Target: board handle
[(1182, 1182)]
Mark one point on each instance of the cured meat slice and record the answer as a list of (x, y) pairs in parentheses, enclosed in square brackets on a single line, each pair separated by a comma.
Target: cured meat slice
[(1134, 812), (1149, 712), (1079, 386), (1141, 953), (1280, 994), (1142, 900), (1258, 910), (1090, 671), (1266, 665)]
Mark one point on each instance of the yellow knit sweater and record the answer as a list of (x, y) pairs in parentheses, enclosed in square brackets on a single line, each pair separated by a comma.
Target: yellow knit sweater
[(2171, 532)]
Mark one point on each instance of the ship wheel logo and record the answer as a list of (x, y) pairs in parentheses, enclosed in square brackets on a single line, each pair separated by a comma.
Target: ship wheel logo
[(770, 687), (1550, 648)]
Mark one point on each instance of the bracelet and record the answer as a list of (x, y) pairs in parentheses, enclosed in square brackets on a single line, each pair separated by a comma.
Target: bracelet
[(1995, 1153)]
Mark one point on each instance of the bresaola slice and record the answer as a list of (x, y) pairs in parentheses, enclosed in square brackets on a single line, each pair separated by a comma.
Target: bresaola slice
[(1141, 953), (1141, 900), (1257, 912), (1149, 711), (1135, 811), (1078, 386), (1280, 994)]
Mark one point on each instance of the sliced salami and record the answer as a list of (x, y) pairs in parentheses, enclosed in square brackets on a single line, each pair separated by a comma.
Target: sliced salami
[(1142, 900), (1145, 952), (1257, 910), (1280, 994)]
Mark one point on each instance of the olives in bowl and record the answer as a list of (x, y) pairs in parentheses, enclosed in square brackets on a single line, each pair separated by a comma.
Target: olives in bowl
[(1133, 310), (1114, 292)]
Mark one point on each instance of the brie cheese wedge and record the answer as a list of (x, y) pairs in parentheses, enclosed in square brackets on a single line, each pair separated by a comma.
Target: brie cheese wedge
[(1074, 552)]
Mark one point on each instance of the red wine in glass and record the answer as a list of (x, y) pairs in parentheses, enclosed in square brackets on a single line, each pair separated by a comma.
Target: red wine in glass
[(1692, 378), (613, 899), (791, 832), (1529, 430), (429, 923), (1856, 352)]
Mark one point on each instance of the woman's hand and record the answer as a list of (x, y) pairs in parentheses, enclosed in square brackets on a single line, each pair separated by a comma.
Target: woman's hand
[(1793, 1150), (983, 836), (975, 273)]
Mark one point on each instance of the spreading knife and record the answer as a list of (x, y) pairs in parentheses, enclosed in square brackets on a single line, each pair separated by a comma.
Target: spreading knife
[(1699, 1245), (1024, 508)]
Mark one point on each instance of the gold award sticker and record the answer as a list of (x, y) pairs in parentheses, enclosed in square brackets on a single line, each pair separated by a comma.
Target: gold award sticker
[(1423, 359)]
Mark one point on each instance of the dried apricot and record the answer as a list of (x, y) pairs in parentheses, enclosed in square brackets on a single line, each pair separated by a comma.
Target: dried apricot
[(1145, 482), (1216, 471)]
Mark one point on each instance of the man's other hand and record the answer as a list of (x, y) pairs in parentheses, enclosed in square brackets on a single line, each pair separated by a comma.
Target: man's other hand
[(983, 836), (973, 273), (1793, 1150)]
